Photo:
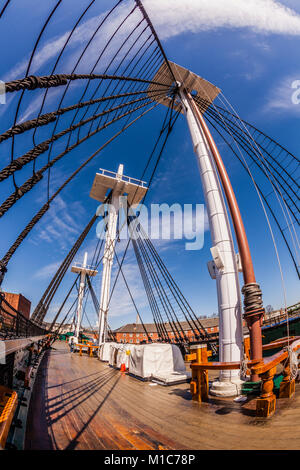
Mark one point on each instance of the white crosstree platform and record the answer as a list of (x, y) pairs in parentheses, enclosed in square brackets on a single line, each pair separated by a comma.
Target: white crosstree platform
[(119, 183)]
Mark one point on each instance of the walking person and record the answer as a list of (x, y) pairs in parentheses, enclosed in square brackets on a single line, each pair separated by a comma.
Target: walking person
[(72, 343)]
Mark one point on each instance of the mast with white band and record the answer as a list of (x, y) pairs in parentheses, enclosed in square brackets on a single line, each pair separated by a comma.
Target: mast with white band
[(83, 269), (226, 264), (119, 186)]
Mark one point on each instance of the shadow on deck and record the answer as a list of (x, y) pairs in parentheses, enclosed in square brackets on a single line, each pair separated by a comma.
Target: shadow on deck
[(81, 403)]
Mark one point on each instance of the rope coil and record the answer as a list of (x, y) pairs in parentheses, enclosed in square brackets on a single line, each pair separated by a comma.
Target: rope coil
[(253, 303)]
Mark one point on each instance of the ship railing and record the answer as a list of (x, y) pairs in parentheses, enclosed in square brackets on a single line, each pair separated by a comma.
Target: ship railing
[(13, 324), (292, 312), (78, 264), (127, 179), (288, 357), (10, 403)]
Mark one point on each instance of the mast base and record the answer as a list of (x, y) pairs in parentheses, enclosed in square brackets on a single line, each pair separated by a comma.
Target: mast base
[(230, 388)]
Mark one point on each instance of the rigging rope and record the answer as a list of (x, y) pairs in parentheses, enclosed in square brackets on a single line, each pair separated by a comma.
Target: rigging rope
[(97, 308), (48, 81), (47, 118), (265, 171), (32, 154), (131, 296), (4, 261), (63, 303), (261, 193), (44, 303)]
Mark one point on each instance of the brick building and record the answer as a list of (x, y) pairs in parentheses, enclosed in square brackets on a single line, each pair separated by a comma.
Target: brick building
[(135, 333), (18, 302)]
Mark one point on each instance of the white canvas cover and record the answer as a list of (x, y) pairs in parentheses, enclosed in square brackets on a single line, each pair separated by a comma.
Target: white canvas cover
[(123, 356), (172, 377), (104, 354), (113, 351), (118, 354), (163, 362)]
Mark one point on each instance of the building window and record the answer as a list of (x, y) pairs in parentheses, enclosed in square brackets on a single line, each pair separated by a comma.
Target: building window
[(137, 335), (151, 334), (144, 335), (124, 334), (130, 341), (130, 336)]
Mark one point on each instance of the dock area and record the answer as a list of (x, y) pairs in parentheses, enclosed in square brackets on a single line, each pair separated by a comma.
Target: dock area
[(81, 403)]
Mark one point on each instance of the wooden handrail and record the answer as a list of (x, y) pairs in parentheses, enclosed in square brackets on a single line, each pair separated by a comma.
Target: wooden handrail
[(9, 400), (220, 365), (272, 361), (216, 365), (291, 338), (264, 368), (277, 343)]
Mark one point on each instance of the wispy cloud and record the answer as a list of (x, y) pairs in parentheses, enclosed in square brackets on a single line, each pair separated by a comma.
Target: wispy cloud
[(170, 19), (262, 16), (36, 103), (62, 219), (280, 97), (80, 37), (47, 271)]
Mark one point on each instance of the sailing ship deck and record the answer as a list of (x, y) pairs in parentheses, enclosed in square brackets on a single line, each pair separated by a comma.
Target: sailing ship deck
[(81, 403)]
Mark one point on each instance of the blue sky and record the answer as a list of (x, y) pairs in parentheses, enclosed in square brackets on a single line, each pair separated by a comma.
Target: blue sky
[(249, 49)]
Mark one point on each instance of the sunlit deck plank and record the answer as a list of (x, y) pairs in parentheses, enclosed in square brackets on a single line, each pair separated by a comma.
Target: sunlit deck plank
[(81, 403)]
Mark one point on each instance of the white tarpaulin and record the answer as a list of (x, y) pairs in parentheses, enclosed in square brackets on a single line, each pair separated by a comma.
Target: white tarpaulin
[(123, 356), (162, 362), (105, 351), (113, 352), (118, 354)]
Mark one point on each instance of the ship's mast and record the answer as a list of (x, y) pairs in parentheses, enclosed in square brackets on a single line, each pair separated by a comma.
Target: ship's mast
[(135, 191), (108, 256), (83, 270), (253, 305), (224, 268), (206, 150)]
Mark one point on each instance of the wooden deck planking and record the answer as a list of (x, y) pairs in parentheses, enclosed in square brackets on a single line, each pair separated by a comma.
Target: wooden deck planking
[(77, 408), (85, 404), (130, 441)]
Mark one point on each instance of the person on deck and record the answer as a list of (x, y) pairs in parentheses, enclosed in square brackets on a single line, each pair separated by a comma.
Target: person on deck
[(72, 343)]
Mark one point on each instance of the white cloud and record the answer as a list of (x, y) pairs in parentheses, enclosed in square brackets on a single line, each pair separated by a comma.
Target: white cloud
[(280, 97), (171, 18), (79, 40), (36, 103), (61, 219), (47, 271)]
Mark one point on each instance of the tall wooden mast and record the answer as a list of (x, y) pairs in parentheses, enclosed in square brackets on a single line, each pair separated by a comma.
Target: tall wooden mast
[(187, 81), (251, 290), (223, 268)]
